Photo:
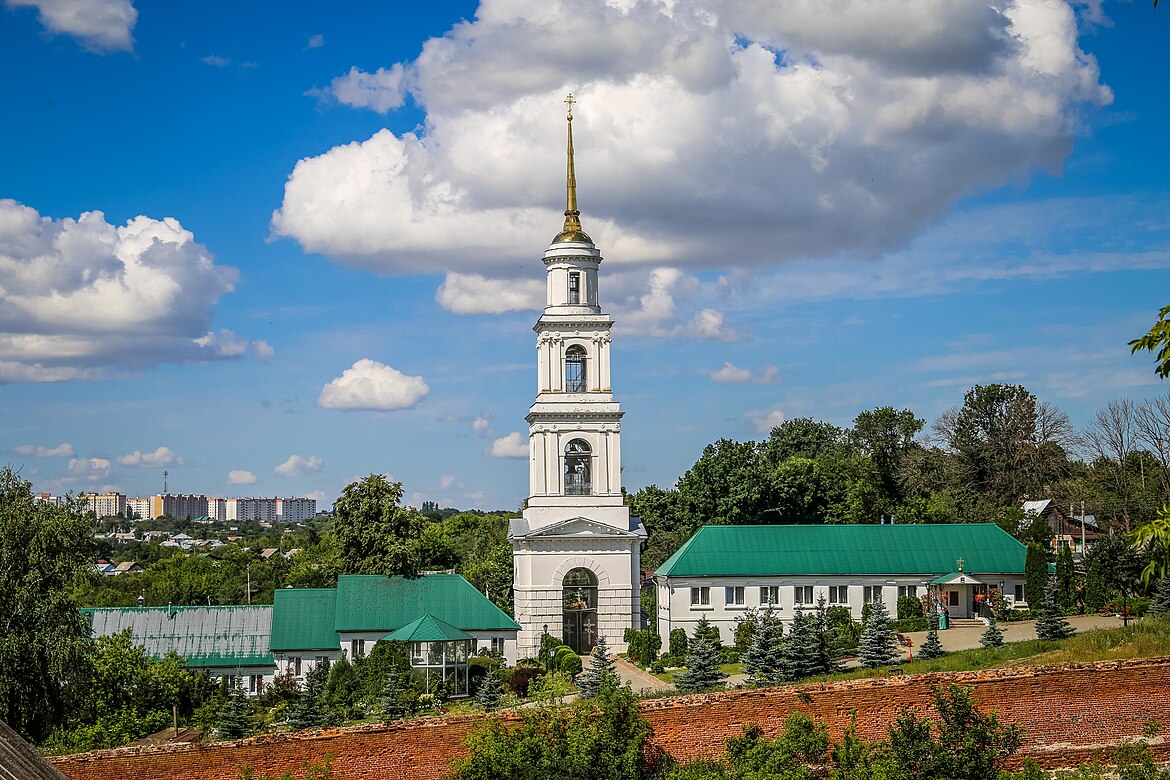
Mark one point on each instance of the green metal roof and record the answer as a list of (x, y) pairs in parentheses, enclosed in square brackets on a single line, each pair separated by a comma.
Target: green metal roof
[(212, 636), (303, 618), (370, 602), (751, 550), (427, 628)]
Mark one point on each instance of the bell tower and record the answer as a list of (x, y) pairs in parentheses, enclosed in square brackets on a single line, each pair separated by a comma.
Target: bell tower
[(576, 549)]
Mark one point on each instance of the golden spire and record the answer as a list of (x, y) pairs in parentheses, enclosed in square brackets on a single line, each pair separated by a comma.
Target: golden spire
[(572, 230)]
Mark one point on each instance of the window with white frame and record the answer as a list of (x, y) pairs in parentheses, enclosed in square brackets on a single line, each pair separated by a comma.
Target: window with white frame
[(297, 666), (908, 590), (574, 287), (871, 594), (701, 596), (838, 594), (733, 595), (497, 645), (802, 595), (769, 595)]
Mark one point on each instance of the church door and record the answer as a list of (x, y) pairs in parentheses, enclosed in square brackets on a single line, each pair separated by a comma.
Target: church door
[(579, 592)]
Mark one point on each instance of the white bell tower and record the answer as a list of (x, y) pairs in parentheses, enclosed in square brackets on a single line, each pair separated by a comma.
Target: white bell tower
[(576, 549)]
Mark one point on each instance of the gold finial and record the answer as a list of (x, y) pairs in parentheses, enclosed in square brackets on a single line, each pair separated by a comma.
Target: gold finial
[(572, 229)]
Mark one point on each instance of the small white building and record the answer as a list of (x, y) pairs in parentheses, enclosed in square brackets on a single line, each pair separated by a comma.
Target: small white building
[(724, 570)]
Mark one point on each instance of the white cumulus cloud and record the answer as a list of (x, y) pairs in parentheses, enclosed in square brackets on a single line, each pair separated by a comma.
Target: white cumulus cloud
[(82, 299), (514, 445), (87, 469), (380, 91), (709, 134), (476, 294), (482, 426), (446, 481), (62, 450), (373, 385), (163, 456), (241, 477), (763, 421), (100, 25), (733, 374), (297, 466)]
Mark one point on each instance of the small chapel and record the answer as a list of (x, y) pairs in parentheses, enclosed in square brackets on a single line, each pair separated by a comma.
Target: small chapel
[(576, 548)]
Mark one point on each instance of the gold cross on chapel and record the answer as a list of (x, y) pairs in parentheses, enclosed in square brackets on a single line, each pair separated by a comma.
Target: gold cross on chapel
[(570, 100), (960, 562)]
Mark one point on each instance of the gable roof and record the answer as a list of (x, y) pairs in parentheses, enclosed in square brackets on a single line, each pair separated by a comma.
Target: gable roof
[(371, 602), (19, 759), (427, 628), (303, 618), (216, 636), (746, 550)]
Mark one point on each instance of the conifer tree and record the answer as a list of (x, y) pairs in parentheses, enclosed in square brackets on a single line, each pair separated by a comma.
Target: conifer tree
[(931, 647), (764, 659), (877, 645), (308, 711), (1050, 624), (601, 667), (1095, 587), (490, 692), (992, 637), (703, 672), (829, 643), (392, 701), (1065, 579), (1161, 601), (801, 650), (235, 719)]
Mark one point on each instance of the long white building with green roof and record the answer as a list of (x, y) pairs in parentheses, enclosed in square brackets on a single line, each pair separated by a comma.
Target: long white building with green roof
[(724, 570), (439, 614)]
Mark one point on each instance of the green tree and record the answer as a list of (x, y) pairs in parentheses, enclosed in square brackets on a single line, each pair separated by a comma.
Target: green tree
[(703, 672), (728, 485), (1095, 587), (886, 435), (1160, 604), (802, 744), (1066, 587), (764, 659), (235, 717), (1157, 339), (678, 642), (992, 636), (490, 692), (376, 534), (602, 738), (968, 745), (1035, 573), (601, 670), (1154, 538), (45, 553), (878, 645), (1050, 624), (931, 646), (308, 711)]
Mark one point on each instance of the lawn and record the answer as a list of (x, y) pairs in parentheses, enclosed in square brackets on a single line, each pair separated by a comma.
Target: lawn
[(1146, 638)]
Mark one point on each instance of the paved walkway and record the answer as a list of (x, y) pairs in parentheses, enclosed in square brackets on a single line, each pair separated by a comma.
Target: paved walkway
[(639, 679)]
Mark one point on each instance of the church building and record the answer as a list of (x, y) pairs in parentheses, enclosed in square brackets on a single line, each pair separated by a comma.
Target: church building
[(576, 548)]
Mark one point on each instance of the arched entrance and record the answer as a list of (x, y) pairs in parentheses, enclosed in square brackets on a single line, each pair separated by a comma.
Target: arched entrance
[(579, 596)]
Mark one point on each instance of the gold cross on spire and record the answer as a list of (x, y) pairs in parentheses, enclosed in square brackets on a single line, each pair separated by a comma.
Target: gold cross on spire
[(572, 229), (570, 100), (960, 562)]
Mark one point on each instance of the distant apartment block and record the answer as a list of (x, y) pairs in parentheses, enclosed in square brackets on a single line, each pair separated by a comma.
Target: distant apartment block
[(178, 505), (140, 507), (49, 498), (105, 504)]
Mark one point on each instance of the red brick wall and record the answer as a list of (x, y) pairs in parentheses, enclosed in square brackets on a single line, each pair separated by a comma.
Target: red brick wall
[(1069, 713)]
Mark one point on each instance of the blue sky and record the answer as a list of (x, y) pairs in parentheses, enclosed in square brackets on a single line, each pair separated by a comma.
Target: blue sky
[(318, 248)]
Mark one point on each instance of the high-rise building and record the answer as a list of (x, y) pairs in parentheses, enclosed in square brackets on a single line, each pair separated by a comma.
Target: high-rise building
[(105, 504), (576, 549)]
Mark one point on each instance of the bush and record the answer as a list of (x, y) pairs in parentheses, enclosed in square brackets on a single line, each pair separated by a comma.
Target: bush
[(568, 663), (642, 646), (522, 677), (671, 660), (730, 655)]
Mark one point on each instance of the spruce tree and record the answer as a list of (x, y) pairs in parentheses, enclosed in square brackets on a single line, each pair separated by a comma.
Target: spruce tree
[(703, 672), (235, 719), (1050, 624), (1160, 605), (1035, 574), (877, 645), (992, 637), (308, 711), (600, 668), (764, 659), (931, 647), (830, 644), (801, 648), (1094, 587), (392, 701), (490, 692)]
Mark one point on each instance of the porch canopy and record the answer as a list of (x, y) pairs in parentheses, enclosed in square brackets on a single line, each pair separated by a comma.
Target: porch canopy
[(957, 578)]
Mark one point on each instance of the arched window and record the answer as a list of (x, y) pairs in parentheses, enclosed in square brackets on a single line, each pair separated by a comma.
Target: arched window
[(577, 468), (575, 369), (579, 596)]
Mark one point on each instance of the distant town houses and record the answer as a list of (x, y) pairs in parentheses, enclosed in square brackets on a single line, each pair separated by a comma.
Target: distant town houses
[(195, 507)]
